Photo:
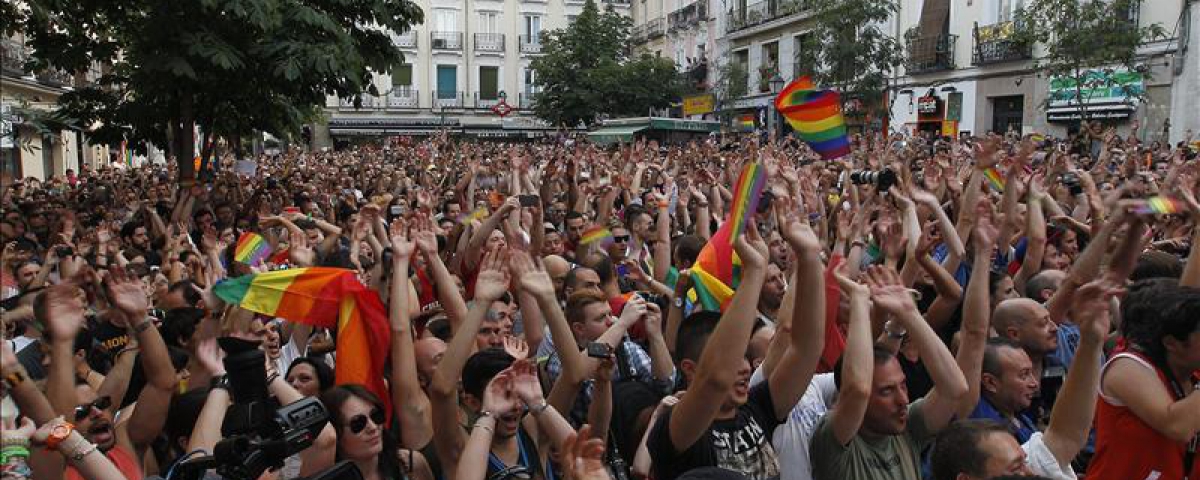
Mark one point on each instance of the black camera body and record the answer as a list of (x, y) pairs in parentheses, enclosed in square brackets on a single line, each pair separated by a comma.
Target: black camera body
[(881, 179)]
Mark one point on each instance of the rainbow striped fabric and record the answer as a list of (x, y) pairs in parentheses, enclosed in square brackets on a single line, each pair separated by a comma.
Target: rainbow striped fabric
[(251, 249), (718, 270), (327, 298), (596, 234), (816, 115), (468, 217), (995, 179), (1160, 205), (747, 122)]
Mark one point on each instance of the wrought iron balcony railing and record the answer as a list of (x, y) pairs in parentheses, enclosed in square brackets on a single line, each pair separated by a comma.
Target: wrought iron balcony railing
[(403, 98), (930, 54), (446, 40), (445, 99), (531, 44), (995, 44), (489, 42), (405, 40)]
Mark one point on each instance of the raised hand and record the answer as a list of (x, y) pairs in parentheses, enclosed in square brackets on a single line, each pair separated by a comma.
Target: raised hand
[(584, 456), (851, 288), (795, 228), (986, 233), (516, 347), (299, 251), (634, 269), (633, 310), (525, 382), (654, 319), (493, 279), (498, 397), (531, 276), (1091, 304), (888, 291), (125, 292), (208, 354), (751, 248), (402, 248)]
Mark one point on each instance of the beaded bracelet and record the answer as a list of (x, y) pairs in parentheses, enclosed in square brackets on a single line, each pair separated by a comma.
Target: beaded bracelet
[(13, 451)]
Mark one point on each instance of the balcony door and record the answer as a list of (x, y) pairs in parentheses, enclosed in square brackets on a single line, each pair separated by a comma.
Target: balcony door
[(1008, 113), (447, 82)]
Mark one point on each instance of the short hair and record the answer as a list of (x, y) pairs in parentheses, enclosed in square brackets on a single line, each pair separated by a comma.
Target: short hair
[(957, 448), (632, 212), (879, 355), (688, 248), (573, 276), (693, 334), (324, 374), (1155, 264), (179, 324), (991, 353), (1040, 281), (603, 267), (190, 295), (128, 229), (573, 214), (482, 367), (580, 300)]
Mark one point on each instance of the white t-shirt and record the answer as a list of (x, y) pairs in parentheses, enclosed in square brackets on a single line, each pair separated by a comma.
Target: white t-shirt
[(1039, 459), (791, 439)]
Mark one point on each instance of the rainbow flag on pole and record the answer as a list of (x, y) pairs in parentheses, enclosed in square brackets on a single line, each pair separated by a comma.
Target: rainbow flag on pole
[(995, 179), (717, 270), (1160, 205), (816, 115), (327, 298)]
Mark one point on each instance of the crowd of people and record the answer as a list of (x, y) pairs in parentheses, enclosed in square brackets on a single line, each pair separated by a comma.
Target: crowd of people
[(991, 307)]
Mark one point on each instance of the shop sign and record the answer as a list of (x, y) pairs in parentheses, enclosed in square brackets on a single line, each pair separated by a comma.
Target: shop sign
[(954, 107), (698, 104), (1097, 87), (949, 128), (927, 105)]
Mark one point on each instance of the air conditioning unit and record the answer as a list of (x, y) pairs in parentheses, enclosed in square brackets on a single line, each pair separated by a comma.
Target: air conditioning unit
[(439, 43)]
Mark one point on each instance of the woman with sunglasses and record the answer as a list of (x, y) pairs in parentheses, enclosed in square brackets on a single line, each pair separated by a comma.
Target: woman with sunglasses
[(364, 438)]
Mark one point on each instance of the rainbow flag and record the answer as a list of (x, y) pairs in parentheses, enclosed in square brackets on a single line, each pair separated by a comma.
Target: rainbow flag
[(251, 249), (994, 178), (1160, 205), (747, 122), (718, 270), (596, 234), (816, 115), (328, 298)]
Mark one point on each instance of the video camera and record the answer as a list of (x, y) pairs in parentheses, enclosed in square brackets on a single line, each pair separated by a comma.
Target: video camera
[(257, 435), (882, 179)]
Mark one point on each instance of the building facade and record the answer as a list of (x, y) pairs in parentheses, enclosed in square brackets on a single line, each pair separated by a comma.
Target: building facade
[(469, 62), (24, 152), (684, 31)]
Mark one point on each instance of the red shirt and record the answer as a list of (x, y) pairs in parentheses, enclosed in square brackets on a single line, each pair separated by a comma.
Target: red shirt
[(121, 458), (1127, 448)]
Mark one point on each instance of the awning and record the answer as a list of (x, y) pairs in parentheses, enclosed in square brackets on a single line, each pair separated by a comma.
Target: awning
[(615, 133)]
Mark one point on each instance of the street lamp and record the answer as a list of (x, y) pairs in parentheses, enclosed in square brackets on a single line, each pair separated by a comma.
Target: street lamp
[(776, 82)]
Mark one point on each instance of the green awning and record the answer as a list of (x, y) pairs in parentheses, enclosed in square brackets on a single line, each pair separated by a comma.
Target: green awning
[(615, 133)]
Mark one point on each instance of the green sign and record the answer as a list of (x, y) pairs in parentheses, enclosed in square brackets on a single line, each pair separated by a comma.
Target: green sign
[(954, 107), (1097, 87)]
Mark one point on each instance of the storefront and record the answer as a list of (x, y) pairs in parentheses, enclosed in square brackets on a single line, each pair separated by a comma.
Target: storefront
[(1108, 95), (933, 110), (664, 130)]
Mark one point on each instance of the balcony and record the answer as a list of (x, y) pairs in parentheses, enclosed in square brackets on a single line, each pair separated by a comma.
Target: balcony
[(403, 97), (746, 16), (531, 44), (929, 54), (55, 77), (14, 56), (486, 101), (526, 100), (689, 16), (637, 34), (444, 99), (655, 28), (995, 44), (489, 42), (446, 40), (405, 40)]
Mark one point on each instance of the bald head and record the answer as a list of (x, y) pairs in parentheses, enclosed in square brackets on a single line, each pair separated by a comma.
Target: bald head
[(428, 353), (1013, 313), (1042, 286), (1028, 323), (558, 268)]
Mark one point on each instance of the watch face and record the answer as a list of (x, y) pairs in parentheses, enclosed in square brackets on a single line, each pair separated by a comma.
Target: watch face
[(60, 431)]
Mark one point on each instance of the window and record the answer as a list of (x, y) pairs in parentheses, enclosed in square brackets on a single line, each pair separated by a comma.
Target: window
[(446, 20), (533, 28), (489, 79), (402, 78), (488, 22), (530, 77), (805, 57), (447, 82), (571, 19)]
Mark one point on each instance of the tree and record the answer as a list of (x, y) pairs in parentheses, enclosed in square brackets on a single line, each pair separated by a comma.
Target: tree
[(586, 73), (1080, 36), (231, 67), (848, 48)]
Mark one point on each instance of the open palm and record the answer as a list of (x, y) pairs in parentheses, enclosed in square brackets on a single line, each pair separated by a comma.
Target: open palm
[(125, 292)]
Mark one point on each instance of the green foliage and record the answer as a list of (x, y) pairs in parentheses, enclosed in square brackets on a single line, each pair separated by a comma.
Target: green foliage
[(732, 80), (1078, 35), (850, 50), (233, 67), (586, 73)]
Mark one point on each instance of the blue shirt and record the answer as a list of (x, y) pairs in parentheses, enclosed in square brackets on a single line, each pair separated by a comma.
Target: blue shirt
[(1020, 425)]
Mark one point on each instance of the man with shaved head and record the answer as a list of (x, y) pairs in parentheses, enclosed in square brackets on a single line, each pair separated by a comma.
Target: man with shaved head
[(1027, 323), (558, 268)]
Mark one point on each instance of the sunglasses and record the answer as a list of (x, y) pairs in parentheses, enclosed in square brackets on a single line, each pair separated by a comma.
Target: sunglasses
[(101, 404), (621, 238), (359, 422)]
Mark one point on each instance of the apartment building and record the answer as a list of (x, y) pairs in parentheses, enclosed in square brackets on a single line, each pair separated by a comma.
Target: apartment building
[(24, 152), (468, 63), (963, 73), (684, 31)]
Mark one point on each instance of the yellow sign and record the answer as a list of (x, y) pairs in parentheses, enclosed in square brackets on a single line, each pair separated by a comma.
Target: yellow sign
[(698, 105), (949, 128)]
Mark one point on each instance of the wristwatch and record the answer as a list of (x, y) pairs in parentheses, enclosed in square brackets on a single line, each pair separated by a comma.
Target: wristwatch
[(221, 382), (678, 302), (58, 433)]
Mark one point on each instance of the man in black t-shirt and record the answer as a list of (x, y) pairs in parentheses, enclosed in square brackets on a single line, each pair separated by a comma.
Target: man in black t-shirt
[(721, 421)]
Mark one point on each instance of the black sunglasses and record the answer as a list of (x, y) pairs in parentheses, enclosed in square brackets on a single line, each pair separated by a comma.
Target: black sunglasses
[(621, 238), (82, 411), (359, 422)]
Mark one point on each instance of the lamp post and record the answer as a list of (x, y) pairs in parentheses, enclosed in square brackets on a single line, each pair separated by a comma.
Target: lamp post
[(776, 82)]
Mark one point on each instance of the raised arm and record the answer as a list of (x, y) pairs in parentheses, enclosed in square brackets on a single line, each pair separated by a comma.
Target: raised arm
[(1035, 232), (806, 337), (1086, 266), (718, 368), (447, 293), (977, 309), (479, 236), (412, 405), (857, 363)]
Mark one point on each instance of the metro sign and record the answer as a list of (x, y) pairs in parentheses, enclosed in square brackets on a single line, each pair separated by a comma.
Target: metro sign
[(502, 108)]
